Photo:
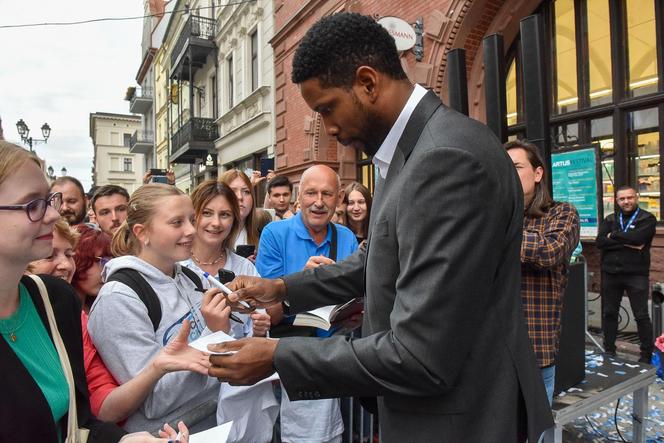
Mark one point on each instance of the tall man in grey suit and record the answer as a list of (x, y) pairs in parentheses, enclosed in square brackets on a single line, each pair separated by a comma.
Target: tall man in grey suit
[(445, 350)]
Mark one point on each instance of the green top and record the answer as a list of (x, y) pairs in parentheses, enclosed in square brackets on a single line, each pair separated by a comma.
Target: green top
[(26, 335)]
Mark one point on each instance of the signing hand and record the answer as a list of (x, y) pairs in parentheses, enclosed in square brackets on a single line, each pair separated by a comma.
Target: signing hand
[(260, 323), (179, 356), (318, 260), (251, 363), (258, 292), (216, 311)]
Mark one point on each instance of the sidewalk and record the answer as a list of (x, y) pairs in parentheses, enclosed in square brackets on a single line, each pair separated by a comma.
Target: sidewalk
[(600, 425)]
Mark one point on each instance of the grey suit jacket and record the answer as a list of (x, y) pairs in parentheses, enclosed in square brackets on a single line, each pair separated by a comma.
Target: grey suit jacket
[(445, 348)]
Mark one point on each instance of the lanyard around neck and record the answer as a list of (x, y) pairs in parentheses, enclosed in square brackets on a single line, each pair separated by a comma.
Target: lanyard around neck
[(629, 223)]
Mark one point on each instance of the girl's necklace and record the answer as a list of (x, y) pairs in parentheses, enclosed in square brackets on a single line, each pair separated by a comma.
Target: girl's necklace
[(223, 254)]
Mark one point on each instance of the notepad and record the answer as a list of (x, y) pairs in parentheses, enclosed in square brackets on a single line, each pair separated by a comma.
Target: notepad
[(216, 337), (218, 434), (328, 316)]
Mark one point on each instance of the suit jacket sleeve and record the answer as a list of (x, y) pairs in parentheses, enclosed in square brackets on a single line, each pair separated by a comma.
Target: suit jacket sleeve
[(447, 257), (326, 285)]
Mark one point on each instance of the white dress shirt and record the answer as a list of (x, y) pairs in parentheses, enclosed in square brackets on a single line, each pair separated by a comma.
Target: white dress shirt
[(383, 156)]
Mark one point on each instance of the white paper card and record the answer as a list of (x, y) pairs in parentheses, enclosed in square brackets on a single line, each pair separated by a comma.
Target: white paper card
[(218, 434), (216, 337)]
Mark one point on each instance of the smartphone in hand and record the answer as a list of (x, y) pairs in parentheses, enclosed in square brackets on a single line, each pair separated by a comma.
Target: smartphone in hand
[(245, 250)]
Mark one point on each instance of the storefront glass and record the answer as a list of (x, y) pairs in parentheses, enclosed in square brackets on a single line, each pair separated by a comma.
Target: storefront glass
[(567, 98), (642, 49), (599, 52), (644, 154)]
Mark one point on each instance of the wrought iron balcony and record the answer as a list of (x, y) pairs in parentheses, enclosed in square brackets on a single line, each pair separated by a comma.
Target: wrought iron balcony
[(141, 101), (194, 140), (141, 142), (195, 43)]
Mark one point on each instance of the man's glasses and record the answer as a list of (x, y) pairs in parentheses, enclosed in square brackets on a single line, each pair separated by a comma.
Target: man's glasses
[(103, 260), (36, 209)]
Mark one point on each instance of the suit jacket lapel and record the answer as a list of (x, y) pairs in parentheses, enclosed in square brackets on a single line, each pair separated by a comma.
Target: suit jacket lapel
[(411, 134)]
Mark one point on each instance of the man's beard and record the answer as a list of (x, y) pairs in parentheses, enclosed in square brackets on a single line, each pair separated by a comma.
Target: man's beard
[(72, 217), (374, 129)]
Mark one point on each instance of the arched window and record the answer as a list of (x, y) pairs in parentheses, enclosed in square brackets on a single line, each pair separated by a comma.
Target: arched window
[(607, 87)]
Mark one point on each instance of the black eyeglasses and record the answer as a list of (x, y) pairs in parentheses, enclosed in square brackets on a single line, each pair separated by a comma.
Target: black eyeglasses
[(36, 209)]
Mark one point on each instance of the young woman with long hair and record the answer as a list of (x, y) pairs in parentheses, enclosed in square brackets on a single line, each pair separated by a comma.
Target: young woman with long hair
[(357, 200), (244, 191), (43, 372), (157, 234)]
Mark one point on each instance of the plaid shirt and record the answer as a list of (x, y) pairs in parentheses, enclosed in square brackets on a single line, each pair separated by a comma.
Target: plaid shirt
[(548, 243)]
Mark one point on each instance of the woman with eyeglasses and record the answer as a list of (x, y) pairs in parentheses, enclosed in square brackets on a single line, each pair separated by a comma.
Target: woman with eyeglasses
[(36, 393)]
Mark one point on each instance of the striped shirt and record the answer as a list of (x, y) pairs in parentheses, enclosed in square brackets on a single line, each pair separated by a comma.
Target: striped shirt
[(548, 243)]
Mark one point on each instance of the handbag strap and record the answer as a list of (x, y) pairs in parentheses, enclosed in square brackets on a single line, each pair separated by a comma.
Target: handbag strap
[(72, 422)]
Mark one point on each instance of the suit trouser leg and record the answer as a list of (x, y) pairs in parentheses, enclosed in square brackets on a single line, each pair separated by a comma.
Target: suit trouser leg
[(612, 292), (637, 291)]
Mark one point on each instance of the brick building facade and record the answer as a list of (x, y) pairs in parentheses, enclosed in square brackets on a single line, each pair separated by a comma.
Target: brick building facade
[(300, 136)]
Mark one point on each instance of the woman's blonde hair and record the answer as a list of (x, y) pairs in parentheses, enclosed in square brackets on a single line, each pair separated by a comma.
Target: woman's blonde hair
[(250, 223), (205, 192), (12, 157), (140, 210), (67, 232)]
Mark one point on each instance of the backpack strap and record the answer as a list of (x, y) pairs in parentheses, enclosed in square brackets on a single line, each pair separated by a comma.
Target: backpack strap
[(193, 276), (142, 288)]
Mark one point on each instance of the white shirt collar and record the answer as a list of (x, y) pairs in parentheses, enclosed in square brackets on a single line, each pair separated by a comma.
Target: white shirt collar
[(383, 156)]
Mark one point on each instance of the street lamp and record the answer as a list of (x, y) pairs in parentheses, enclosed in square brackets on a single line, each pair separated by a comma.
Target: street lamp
[(51, 172), (63, 171), (24, 132)]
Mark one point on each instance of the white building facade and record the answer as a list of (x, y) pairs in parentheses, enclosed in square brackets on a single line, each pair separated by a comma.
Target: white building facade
[(114, 163)]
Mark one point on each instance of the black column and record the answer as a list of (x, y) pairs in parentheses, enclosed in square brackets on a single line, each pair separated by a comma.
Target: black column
[(495, 96), (456, 78), (535, 91)]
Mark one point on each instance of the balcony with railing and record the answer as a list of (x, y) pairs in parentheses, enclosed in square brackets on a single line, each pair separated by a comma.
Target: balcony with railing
[(195, 43), (140, 101), (141, 142), (194, 140)]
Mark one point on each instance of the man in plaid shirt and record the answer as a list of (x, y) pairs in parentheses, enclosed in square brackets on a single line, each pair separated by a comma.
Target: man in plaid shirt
[(550, 234)]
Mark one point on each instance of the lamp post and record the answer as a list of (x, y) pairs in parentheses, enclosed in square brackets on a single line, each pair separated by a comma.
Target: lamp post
[(63, 171), (51, 172), (24, 132)]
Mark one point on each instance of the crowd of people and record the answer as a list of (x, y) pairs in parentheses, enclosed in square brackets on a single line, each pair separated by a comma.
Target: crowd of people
[(103, 292)]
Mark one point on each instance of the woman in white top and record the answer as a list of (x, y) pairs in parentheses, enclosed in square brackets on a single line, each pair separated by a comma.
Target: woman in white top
[(253, 409), (218, 219), (247, 233)]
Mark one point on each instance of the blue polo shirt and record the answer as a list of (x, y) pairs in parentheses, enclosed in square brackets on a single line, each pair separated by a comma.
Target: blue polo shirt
[(286, 245)]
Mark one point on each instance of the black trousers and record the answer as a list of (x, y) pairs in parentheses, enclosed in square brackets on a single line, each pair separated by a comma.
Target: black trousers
[(636, 287)]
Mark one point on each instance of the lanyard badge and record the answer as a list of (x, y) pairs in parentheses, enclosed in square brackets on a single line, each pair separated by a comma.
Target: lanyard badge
[(631, 220)]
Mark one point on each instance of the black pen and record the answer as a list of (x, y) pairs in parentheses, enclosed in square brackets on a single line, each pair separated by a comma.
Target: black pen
[(232, 316)]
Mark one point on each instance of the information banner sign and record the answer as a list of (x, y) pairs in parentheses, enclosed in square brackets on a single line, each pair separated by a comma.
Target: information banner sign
[(575, 180)]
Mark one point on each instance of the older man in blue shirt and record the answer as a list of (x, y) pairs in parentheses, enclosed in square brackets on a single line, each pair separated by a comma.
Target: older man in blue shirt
[(308, 239)]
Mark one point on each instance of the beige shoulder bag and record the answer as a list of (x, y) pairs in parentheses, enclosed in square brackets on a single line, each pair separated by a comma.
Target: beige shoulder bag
[(74, 433)]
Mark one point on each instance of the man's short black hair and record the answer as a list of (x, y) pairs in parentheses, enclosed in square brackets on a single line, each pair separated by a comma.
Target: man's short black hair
[(335, 46), (279, 180), (66, 178), (107, 191), (625, 188)]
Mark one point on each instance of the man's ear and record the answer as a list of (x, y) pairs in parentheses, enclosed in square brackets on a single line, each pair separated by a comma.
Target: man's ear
[(367, 80)]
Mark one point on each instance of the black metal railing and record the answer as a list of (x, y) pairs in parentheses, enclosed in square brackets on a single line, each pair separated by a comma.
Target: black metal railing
[(141, 136), (195, 130), (197, 27)]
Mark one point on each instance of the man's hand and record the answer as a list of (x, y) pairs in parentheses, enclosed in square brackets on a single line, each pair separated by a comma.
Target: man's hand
[(318, 260), (251, 363), (258, 292)]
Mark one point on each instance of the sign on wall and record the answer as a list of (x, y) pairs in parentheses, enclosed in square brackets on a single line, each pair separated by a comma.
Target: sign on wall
[(402, 32), (575, 175)]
